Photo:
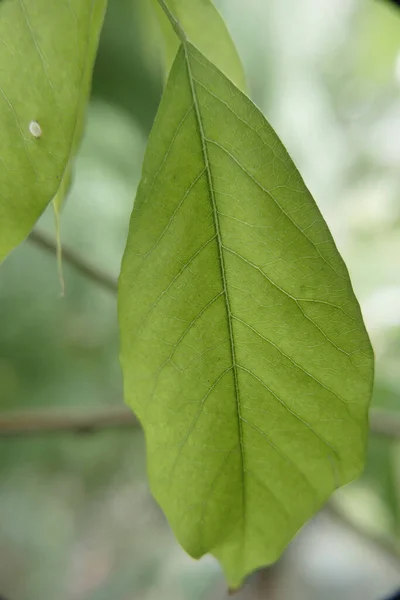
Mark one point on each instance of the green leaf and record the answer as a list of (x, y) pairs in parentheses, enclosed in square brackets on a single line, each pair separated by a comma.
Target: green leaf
[(243, 348), (206, 29), (47, 50), (376, 55)]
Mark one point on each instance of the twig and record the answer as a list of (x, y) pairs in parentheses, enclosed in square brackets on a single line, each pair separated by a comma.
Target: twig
[(45, 421), (383, 423), (45, 241), (48, 421)]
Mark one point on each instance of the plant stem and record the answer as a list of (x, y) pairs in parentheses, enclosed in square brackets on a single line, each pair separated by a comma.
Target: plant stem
[(45, 421), (43, 240), (383, 423), (174, 22)]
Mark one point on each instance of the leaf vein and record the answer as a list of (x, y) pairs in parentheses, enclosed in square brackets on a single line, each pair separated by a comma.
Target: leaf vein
[(294, 363), (289, 410), (222, 269), (268, 192), (282, 455), (174, 213), (294, 300), (174, 279)]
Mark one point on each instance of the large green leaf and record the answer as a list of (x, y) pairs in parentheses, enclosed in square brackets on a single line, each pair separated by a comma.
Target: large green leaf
[(206, 30), (243, 348), (47, 50)]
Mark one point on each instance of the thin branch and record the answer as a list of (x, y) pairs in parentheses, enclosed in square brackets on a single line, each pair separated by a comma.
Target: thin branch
[(45, 421), (46, 242), (383, 423), (54, 421)]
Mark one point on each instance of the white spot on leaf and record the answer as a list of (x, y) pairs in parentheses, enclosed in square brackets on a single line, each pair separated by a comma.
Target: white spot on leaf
[(35, 129)]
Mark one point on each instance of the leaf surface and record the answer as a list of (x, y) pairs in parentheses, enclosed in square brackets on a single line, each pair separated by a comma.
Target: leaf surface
[(205, 29), (243, 348), (47, 51)]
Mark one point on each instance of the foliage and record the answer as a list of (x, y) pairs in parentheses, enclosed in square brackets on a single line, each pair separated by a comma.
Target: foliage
[(235, 309), (243, 347), (40, 86)]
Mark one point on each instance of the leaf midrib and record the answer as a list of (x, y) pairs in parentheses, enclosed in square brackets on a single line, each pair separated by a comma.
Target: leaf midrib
[(221, 261)]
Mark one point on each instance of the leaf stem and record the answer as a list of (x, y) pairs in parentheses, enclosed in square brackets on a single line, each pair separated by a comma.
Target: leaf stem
[(174, 22), (59, 248)]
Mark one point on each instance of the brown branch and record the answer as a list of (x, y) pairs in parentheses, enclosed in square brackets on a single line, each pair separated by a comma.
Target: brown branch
[(46, 242), (44, 421), (383, 423)]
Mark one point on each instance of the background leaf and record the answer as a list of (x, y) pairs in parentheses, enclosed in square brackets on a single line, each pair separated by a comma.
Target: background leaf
[(39, 83), (243, 348), (206, 29)]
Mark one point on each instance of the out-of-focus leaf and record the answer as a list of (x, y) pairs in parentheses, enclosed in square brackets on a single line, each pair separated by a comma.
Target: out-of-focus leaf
[(207, 31), (381, 468), (124, 75), (243, 348), (377, 38), (47, 50)]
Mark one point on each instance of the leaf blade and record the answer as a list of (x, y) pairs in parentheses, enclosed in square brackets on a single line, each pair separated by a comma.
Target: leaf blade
[(39, 84), (235, 310)]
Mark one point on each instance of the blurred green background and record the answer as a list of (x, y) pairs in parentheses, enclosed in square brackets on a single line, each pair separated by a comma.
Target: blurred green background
[(76, 517)]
